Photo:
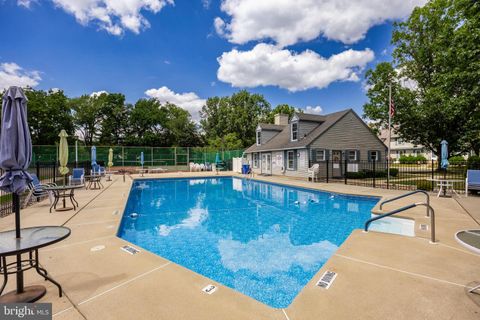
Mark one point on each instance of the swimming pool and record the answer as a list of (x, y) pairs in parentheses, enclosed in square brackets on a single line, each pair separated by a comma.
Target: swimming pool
[(262, 239)]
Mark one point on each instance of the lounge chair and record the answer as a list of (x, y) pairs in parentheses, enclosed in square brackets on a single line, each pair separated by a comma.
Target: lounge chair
[(77, 177), (98, 170), (313, 172), (158, 169), (472, 182), (37, 190)]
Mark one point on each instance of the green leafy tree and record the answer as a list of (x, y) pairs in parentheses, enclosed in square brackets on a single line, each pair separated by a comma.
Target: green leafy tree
[(180, 130), (145, 124), (434, 76), (87, 113), (239, 114), (228, 142), (114, 123), (284, 109), (48, 113)]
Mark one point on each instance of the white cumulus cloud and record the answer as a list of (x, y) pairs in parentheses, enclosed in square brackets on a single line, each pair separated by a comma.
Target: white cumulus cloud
[(268, 65), (97, 93), (26, 3), (11, 74), (189, 101), (288, 22), (314, 110), (114, 16)]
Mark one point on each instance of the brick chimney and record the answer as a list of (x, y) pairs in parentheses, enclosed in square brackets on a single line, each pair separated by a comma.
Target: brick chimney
[(281, 119)]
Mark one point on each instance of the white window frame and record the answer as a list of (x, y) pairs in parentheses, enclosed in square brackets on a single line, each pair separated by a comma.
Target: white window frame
[(317, 158), (259, 137), (296, 131), (371, 153), (291, 152), (256, 157), (354, 153)]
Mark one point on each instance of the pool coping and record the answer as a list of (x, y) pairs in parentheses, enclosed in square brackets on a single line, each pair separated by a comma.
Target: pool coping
[(377, 198), (113, 298)]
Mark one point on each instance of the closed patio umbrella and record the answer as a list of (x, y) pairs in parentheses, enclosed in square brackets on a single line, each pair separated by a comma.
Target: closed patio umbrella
[(94, 158), (15, 147), (444, 163), (15, 157), (142, 159), (63, 154), (110, 158)]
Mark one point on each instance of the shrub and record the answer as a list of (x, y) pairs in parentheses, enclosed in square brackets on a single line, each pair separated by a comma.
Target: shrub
[(411, 159), (473, 162), (393, 172), (424, 185), (356, 175), (457, 160)]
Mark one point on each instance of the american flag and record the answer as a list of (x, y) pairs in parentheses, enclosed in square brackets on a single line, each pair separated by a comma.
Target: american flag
[(392, 108)]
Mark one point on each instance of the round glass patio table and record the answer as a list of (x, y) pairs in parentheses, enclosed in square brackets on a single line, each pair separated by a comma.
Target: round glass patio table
[(30, 241), (61, 192)]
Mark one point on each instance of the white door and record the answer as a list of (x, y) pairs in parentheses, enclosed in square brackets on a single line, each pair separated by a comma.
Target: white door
[(267, 163)]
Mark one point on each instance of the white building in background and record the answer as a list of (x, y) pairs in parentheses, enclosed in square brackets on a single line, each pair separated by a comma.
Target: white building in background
[(399, 147)]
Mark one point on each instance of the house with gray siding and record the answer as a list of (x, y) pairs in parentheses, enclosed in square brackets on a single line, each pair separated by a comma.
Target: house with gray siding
[(339, 142)]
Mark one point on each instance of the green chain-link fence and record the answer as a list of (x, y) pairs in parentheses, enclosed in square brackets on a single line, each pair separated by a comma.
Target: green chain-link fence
[(130, 156)]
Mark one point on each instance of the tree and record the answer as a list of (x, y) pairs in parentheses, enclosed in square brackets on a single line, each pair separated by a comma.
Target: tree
[(87, 113), (228, 142), (283, 109), (114, 115), (180, 130), (48, 113), (437, 54), (145, 121), (239, 114)]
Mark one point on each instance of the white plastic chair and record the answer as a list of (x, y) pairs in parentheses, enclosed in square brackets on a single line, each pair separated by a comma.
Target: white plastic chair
[(314, 171)]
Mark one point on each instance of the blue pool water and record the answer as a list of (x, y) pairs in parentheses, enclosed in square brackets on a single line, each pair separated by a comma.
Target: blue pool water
[(264, 240)]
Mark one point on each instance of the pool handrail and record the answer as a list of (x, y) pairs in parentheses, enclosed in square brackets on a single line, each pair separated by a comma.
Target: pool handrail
[(407, 195), (413, 205)]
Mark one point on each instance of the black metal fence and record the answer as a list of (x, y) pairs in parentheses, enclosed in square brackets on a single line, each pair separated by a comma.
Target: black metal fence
[(412, 176), (46, 172)]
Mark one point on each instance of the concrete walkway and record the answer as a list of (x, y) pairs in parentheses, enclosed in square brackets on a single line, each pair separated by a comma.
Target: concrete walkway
[(380, 276)]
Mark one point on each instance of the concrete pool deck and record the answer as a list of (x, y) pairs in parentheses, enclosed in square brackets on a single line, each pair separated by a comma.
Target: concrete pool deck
[(380, 276)]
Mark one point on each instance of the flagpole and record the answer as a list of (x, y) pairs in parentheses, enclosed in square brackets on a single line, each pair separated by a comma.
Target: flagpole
[(389, 128)]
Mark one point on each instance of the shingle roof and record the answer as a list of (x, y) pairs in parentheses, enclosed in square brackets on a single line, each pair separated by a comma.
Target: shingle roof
[(272, 127), (282, 140), (311, 117)]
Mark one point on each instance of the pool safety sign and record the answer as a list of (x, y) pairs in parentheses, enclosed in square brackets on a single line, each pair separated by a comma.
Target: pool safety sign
[(130, 249), (209, 289), (327, 279)]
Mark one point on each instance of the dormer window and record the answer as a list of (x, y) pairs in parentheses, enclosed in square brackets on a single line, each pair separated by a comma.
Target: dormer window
[(294, 131), (259, 137)]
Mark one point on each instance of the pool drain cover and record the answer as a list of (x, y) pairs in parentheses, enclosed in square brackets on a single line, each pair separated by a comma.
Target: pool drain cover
[(424, 227), (130, 249), (327, 279), (209, 289)]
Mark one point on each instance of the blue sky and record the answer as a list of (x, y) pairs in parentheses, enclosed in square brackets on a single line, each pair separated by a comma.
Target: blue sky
[(310, 56)]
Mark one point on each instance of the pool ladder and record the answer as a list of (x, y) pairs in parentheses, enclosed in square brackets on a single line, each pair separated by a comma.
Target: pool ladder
[(429, 211)]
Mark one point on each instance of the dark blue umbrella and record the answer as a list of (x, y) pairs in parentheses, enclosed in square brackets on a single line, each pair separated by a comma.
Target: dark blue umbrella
[(444, 163), (15, 147)]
